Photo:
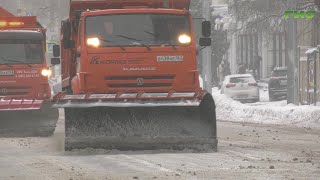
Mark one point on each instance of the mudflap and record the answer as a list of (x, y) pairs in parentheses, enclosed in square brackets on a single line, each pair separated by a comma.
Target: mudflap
[(29, 123), (142, 128)]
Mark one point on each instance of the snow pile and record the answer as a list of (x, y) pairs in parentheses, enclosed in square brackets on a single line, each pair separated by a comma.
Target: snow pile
[(266, 112)]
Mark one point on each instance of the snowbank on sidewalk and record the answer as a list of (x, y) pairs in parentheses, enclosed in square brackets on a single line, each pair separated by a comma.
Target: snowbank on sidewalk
[(266, 112)]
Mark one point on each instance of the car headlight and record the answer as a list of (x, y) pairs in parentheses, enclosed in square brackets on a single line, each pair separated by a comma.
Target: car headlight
[(94, 42)]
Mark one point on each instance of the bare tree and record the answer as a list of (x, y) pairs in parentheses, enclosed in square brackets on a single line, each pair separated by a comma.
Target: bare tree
[(249, 15), (264, 19)]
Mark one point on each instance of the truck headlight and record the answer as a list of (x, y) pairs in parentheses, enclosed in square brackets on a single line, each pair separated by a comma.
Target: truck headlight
[(94, 42), (46, 72), (3, 23), (184, 39)]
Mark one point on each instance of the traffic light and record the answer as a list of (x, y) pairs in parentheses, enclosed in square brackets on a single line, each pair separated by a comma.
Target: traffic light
[(206, 29)]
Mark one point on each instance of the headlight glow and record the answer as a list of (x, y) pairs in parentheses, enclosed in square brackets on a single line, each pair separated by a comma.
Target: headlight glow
[(3, 23), (184, 39), (16, 23), (94, 42), (46, 72)]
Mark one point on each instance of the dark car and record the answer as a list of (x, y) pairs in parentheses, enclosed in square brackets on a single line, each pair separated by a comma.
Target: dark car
[(278, 84)]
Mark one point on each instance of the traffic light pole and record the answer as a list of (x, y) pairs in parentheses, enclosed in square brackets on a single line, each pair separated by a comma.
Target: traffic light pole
[(293, 80), (206, 52)]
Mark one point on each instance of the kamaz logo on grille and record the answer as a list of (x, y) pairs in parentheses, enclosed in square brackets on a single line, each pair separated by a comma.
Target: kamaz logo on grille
[(6, 73), (140, 81), (4, 91)]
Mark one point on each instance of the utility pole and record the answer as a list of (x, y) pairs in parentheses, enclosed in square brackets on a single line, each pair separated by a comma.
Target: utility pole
[(206, 52), (292, 96)]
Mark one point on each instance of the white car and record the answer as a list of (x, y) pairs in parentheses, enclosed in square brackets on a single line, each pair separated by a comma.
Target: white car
[(241, 87)]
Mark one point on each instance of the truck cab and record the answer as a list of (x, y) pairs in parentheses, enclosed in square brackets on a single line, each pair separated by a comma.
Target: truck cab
[(23, 70), (129, 49), (25, 95)]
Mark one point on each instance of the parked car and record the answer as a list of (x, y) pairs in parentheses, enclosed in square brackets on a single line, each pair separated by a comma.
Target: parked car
[(278, 84), (241, 87)]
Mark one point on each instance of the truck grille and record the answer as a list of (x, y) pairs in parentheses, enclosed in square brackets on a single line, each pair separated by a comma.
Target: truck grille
[(140, 86), (139, 81), (137, 77), (11, 91)]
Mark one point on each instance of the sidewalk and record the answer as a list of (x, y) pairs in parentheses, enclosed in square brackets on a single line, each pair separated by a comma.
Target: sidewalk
[(266, 112)]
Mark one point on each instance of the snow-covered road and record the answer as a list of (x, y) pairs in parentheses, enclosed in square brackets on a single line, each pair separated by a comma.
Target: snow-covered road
[(246, 151)]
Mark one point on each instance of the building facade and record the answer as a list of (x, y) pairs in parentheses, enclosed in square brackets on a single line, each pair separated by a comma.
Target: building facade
[(254, 34)]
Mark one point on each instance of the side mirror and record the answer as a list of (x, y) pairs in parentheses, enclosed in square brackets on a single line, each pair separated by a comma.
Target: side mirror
[(206, 28), (205, 42), (68, 44), (55, 61), (66, 29), (56, 50)]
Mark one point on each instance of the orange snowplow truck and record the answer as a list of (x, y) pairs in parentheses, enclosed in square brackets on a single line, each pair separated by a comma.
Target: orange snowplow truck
[(130, 77), (25, 94)]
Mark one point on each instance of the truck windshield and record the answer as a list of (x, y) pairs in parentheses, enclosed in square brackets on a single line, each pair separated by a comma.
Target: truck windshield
[(21, 52), (138, 29)]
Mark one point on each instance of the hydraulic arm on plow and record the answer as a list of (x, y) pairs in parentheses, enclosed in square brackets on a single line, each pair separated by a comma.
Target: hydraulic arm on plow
[(24, 89), (130, 77)]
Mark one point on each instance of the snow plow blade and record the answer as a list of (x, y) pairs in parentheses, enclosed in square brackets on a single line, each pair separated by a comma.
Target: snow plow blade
[(140, 123), (27, 118)]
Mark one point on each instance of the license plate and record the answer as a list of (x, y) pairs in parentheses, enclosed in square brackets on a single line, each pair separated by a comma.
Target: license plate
[(6, 73), (169, 58)]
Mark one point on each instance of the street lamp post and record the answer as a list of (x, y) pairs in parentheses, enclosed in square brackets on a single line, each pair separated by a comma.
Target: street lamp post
[(292, 96), (206, 52)]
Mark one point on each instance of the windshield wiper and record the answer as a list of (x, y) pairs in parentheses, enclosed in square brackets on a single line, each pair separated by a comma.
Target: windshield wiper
[(7, 64), (105, 40), (156, 36), (136, 41), (19, 62), (2, 58), (152, 34), (15, 61), (172, 45), (168, 43)]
